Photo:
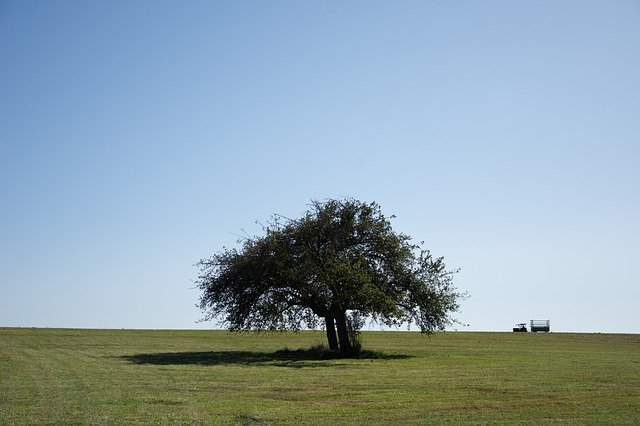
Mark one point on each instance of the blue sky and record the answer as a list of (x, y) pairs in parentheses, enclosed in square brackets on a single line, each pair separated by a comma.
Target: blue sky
[(138, 137)]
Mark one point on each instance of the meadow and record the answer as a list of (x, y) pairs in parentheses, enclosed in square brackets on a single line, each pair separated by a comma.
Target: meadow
[(216, 377)]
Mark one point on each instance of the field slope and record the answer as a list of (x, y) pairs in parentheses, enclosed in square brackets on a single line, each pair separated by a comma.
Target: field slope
[(127, 376)]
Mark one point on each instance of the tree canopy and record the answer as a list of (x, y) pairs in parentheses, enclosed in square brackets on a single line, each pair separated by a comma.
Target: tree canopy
[(338, 264)]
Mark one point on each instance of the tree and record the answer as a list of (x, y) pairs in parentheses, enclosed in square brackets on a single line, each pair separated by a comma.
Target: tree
[(339, 263)]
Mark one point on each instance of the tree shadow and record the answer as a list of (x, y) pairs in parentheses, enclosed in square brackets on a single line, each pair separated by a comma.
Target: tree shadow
[(298, 358)]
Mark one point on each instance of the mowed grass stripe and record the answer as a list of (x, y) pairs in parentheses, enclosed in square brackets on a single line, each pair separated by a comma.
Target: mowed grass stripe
[(145, 376)]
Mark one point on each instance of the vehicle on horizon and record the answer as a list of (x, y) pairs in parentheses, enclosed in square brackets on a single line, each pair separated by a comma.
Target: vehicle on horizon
[(520, 328), (540, 325)]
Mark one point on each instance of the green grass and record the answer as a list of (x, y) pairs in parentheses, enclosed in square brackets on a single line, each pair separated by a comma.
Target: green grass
[(125, 376)]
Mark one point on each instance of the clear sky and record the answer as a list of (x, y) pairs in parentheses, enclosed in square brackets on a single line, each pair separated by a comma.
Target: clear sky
[(137, 137)]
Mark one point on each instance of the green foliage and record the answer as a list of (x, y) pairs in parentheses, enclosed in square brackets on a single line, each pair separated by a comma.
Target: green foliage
[(342, 262), (355, 322)]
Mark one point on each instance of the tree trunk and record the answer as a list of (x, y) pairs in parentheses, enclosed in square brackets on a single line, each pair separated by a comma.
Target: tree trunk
[(343, 334), (331, 333)]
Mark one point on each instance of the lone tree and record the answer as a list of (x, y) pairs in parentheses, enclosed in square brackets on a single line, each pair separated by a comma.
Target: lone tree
[(340, 263)]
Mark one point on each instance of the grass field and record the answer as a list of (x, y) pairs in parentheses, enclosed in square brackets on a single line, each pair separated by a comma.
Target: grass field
[(125, 376)]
